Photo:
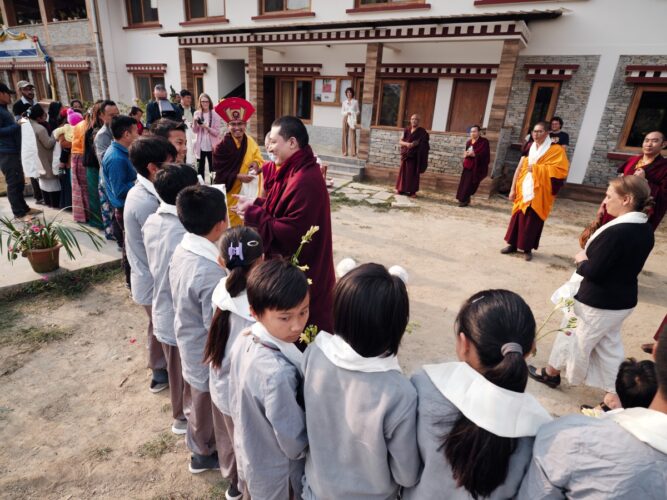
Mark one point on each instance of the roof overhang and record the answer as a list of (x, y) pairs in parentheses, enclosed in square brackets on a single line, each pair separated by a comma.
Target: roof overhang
[(487, 26)]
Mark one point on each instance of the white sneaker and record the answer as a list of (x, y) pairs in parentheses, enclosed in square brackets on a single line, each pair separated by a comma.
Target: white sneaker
[(179, 427)]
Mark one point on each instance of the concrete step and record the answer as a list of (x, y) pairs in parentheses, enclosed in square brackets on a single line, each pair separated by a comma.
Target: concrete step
[(354, 172), (346, 160)]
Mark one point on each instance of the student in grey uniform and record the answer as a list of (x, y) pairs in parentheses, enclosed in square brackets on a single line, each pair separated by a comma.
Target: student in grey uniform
[(623, 455), (162, 232), (241, 249), (194, 272), (476, 424), (147, 154), (265, 384), (361, 411)]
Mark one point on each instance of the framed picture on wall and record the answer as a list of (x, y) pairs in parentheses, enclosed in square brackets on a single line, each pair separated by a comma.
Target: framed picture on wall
[(325, 90)]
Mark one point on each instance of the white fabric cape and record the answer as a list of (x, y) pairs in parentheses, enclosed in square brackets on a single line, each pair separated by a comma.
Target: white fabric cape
[(166, 208), (237, 305), (148, 185), (55, 162), (649, 426), (199, 245), (290, 351), (500, 411), (29, 158), (534, 154), (571, 287), (341, 354)]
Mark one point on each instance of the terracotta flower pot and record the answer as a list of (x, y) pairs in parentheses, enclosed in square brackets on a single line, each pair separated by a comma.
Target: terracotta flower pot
[(44, 261)]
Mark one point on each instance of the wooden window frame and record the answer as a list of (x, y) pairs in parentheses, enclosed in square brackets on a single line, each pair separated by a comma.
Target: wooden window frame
[(294, 80), (190, 21), (143, 24), (632, 114), (401, 104), (195, 76), (389, 5), (188, 15), (537, 84), (339, 80), (50, 9), (78, 74), (41, 84), (151, 84), (279, 14)]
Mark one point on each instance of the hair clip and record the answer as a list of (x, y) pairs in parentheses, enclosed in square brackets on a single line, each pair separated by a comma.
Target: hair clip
[(252, 243), (400, 272), (511, 347), (477, 299), (235, 251), (345, 266)]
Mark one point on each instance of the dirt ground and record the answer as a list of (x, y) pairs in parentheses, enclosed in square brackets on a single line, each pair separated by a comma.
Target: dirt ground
[(77, 420)]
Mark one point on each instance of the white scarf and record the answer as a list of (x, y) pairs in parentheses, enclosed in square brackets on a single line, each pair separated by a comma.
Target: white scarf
[(534, 154), (236, 305), (500, 411), (341, 354), (290, 351), (199, 245), (571, 287), (649, 426), (147, 185), (29, 153), (166, 208)]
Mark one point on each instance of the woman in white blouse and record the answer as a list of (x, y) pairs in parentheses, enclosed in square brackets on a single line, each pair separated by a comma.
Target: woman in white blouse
[(350, 112)]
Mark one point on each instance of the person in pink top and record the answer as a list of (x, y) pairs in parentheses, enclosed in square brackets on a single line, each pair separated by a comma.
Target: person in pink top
[(206, 126)]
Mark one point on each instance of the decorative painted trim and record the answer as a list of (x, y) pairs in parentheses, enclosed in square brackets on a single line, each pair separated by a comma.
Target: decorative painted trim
[(498, 30), (30, 65), (646, 74), (7, 65), (292, 69), (560, 72), (73, 65), (464, 71), (388, 7), (146, 68), (282, 15), (199, 67)]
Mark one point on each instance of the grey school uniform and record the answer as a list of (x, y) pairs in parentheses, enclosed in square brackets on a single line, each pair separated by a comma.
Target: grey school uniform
[(361, 430), (583, 457), (219, 378), (162, 233), (193, 279), (437, 416), (269, 424), (139, 204)]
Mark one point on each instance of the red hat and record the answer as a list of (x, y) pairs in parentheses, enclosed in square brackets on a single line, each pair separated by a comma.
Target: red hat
[(235, 109)]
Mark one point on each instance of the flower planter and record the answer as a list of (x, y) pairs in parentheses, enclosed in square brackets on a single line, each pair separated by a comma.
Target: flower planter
[(44, 261)]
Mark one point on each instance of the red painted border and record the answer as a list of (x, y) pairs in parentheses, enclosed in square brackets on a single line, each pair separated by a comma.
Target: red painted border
[(282, 15), (388, 7), (660, 80), (619, 155), (205, 20), (499, 2), (143, 26), (549, 77), (573, 67), (646, 68)]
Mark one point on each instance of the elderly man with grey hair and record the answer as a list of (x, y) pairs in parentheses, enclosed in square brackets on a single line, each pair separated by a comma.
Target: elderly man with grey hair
[(160, 107)]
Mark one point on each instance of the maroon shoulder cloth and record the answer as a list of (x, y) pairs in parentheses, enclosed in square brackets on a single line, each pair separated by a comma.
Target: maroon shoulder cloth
[(227, 160), (419, 152)]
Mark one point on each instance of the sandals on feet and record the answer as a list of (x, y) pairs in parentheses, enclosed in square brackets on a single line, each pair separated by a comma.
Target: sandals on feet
[(540, 375)]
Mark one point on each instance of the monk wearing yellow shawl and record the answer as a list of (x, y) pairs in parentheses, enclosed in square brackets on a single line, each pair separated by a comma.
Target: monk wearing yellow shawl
[(237, 159), (537, 180)]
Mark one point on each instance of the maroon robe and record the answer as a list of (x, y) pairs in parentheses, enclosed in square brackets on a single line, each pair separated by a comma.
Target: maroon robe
[(268, 174), (656, 175), (297, 200), (227, 160), (413, 160), (475, 169), (524, 230)]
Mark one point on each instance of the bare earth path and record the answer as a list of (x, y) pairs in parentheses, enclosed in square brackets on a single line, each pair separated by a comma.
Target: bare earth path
[(77, 420)]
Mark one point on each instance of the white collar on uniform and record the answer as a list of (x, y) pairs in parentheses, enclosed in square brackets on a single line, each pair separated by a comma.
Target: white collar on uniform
[(199, 245), (166, 208), (630, 217), (500, 411), (290, 351), (535, 153), (237, 305), (147, 185), (341, 354), (649, 426)]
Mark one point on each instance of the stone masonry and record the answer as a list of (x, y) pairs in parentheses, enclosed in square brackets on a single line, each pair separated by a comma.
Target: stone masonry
[(600, 168)]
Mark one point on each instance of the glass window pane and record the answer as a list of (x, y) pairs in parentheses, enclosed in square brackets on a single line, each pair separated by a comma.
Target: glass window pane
[(297, 4), (149, 14), (304, 92), (197, 8), (344, 84), (27, 12), (86, 88), (73, 86), (143, 88), (651, 115), (134, 14), (286, 97), (199, 85), (391, 101), (273, 5), (541, 108), (63, 10), (215, 8)]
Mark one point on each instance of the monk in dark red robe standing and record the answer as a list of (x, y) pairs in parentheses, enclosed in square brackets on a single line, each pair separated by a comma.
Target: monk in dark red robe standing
[(653, 167), (475, 166), (414, 157), (297, 199)]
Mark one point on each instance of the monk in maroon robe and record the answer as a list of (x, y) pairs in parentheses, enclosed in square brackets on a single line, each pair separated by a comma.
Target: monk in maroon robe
[(297, 199), (475, 166), (653, 167), (414, 157)]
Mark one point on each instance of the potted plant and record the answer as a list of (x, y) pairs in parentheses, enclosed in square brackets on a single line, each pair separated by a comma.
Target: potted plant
[(40, 240)]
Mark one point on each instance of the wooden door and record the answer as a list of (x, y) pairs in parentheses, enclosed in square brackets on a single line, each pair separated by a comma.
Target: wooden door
[(468, 104), (420, 99), (286, 98), (269, 104)]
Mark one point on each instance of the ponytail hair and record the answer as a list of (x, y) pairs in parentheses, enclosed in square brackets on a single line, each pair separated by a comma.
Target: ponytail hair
[(501, 326), (638, 189), (240, 248)]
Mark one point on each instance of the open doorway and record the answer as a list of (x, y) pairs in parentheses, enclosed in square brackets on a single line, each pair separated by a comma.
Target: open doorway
[(231, 78), (269, 103)]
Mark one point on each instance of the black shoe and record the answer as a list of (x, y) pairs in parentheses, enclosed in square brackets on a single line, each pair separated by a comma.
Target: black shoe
[(233, 493), (542, 377), (508, 249), (528, 256), (202, 463), (464, 203), (156, 386)]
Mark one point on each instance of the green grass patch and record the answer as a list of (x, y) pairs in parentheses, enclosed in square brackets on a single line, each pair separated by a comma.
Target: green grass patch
[(218, 490), (101, 454), (4, 412), (33, 337), (158, 446), (412, 327)]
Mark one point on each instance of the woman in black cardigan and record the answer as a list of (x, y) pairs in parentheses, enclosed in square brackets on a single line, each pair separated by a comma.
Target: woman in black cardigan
[(609, 265)]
